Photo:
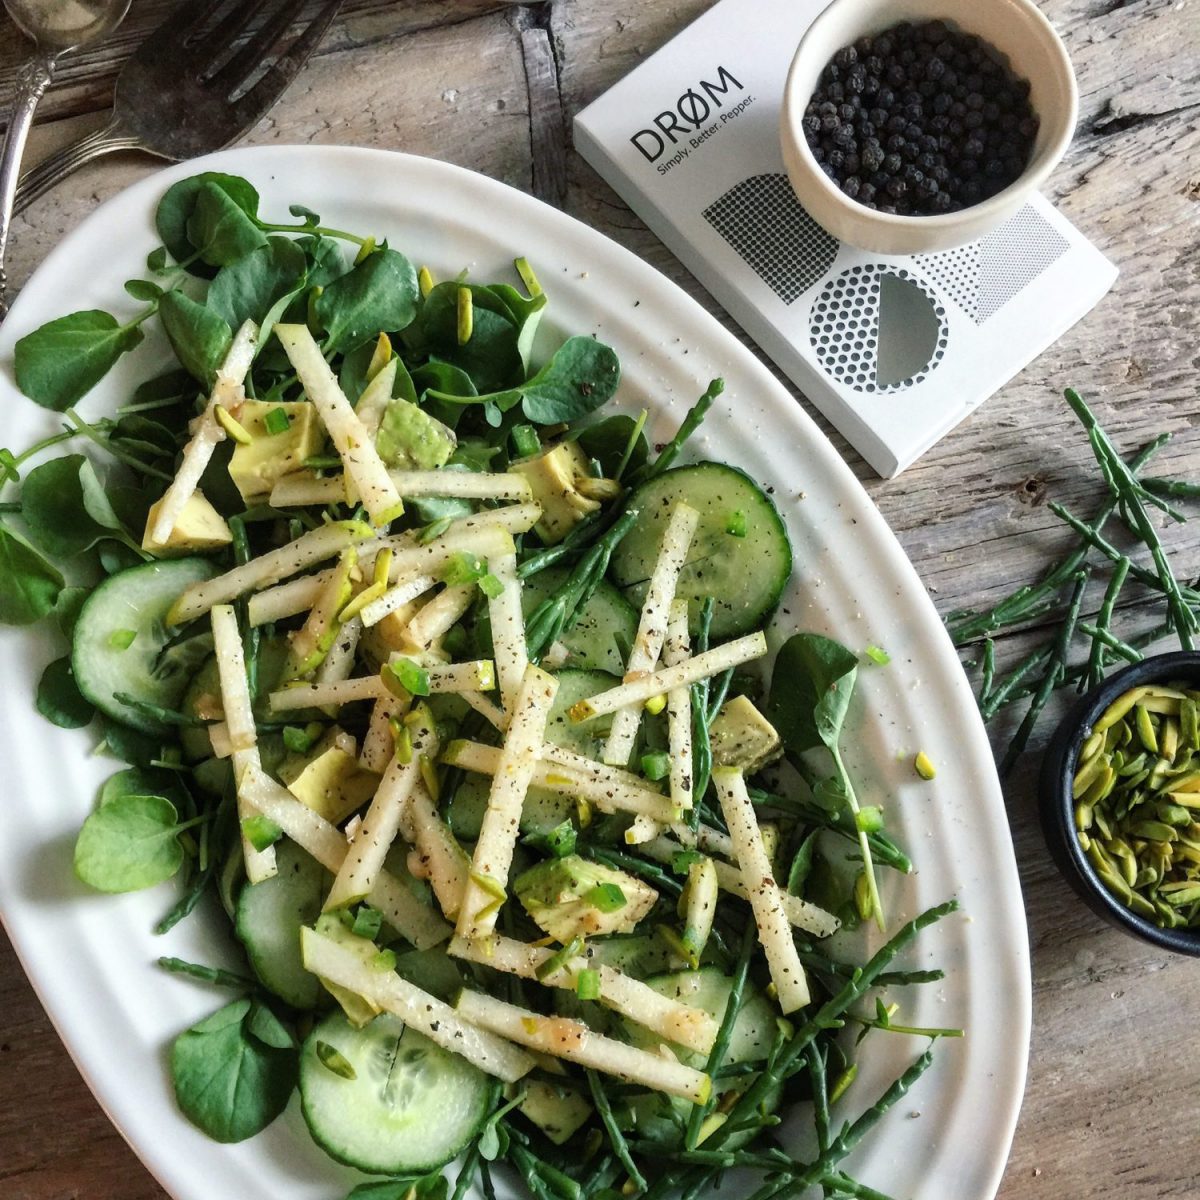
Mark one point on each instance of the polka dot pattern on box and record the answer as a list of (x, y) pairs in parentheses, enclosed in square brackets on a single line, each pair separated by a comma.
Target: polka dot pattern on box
[(844, 327), (769, 228)]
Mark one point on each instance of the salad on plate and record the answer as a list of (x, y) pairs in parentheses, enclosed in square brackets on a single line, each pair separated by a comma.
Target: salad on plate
[(455, 695)]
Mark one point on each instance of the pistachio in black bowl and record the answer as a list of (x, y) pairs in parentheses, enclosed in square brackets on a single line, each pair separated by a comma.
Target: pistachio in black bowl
[(1129, 842)]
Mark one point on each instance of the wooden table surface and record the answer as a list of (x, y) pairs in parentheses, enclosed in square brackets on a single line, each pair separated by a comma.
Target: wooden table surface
[(1113, 1102)]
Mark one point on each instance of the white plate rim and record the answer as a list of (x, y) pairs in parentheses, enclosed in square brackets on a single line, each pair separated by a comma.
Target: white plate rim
[(168, 1156)]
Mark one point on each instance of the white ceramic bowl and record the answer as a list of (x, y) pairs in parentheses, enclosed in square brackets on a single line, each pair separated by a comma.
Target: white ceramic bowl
[(1034, 52)]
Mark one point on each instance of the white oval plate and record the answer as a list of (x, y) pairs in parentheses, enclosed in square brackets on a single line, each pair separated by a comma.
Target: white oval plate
[(91, 957)]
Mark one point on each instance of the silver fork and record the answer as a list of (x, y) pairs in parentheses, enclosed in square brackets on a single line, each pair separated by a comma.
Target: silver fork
[(189, 89)]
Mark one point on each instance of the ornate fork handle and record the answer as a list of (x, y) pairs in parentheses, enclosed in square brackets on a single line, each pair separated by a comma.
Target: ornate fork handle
[(37, 181), (32, 81)]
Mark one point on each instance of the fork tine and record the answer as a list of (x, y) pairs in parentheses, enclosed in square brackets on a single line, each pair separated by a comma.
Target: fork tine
[(285, 68), (170, 35), (249, 57), (220, 38)]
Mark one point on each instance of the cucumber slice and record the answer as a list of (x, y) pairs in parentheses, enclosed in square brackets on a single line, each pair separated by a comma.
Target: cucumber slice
[(744, 575), (656, 1116), (601, 637), (585, 737), (105, 661), (269, 917), (411, 1106)]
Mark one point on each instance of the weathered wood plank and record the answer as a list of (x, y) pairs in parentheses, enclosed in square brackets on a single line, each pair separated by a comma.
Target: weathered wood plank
[(85, 78)]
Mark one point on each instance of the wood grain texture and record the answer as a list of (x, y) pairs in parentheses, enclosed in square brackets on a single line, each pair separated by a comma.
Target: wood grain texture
[(494, 87)]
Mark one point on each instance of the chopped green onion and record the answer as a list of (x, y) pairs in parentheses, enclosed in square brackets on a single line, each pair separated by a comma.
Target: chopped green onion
[(559, 959), (842, 1083), (737, 524), (464, 568), (656, 765), (122, 639), (261, 832), (868, 819), (655, 705), (525, 441), (300, 741), (425, 281), (682, 861), (277, 421), (605, 897), (385, 960), (923, 765), (587, 984), (410, 676), (878, 656), (558, 842), (367, 921), (490, 586)]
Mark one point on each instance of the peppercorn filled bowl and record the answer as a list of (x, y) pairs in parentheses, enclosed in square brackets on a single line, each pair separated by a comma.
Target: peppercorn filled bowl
[(1120, 800), (911, 126)]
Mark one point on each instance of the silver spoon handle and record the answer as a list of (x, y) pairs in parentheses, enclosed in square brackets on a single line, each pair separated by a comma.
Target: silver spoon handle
[(32, 81), (37, 181)]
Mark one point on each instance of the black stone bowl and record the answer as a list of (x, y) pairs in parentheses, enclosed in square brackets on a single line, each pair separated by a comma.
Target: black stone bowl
[(1058, 809)]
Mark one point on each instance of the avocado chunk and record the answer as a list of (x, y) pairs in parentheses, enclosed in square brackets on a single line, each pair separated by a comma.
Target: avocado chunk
[(256, 468), (328, 779), (411, 439), (573, 897), (565, 487), (200, 527), (558, 1110), (742, 737)]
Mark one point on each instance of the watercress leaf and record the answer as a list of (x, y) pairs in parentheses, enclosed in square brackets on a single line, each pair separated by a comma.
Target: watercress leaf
[(811, 686), (491, 356), (59, 699), (130, 843), (66, 610), (173, 385), (199, 336), (580, 377), (131, 745), (63, 360), (527, 312), (246, 289), (831, 793), (802, 862), (95, 500), (352, 374), (29, 585), (132, 504), (326, 259), (263, 1024), (220, 228), (143, 289), (55, 503), (451, 383), (305, 214), (606, 440), (430, 1187), (176, 207), (433, 508), (232, 1014), (156, 260), (135, 781), (378, 295), (229, 1083)]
